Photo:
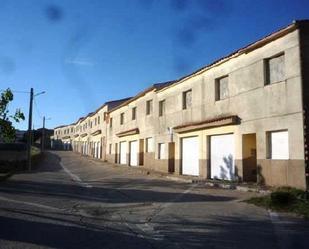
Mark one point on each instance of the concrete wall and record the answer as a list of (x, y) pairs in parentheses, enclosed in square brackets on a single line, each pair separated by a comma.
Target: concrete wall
[(261, 107)]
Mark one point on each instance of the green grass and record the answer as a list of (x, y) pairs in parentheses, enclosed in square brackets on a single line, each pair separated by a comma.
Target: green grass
[(284, 199), (35, 151)]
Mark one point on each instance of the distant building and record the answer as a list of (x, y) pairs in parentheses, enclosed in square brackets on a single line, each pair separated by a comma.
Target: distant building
[(20, 135)]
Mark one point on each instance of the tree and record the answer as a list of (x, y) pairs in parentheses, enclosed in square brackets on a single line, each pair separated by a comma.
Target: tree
[(7, 130)]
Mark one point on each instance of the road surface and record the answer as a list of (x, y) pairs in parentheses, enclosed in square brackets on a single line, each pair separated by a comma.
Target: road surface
[(73, 202)]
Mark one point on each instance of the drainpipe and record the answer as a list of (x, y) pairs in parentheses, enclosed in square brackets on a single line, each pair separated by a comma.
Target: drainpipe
[(302, 73)]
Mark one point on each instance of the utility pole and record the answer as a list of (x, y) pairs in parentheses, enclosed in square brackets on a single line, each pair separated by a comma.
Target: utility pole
[(29, 130), (29, 142), (43, 136)]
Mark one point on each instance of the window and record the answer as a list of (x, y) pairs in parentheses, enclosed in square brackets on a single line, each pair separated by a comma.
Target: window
[(274, 69), (110, 122), (161, 151), (186, 99), (149, 144), (98, 120), (278, 145), (161, 108), (110, 149), (121, 118), (148, 107), (133, 113), (222, 88)]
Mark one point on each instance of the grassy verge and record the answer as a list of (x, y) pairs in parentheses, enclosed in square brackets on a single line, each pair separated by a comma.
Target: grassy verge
[(35, 151), (284, 199)]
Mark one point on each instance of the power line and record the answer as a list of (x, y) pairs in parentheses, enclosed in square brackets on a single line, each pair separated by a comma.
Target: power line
[(37, 109)]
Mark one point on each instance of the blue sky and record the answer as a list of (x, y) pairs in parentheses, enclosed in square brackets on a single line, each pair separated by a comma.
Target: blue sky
[(86, 52)]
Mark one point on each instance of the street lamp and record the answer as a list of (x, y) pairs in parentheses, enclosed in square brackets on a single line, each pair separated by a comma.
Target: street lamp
[(38, 93), (30, 125)]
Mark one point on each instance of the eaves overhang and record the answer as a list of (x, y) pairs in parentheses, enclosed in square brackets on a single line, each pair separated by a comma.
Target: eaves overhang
[(84, 134), (97, 132), (128, 132), (207, 124)]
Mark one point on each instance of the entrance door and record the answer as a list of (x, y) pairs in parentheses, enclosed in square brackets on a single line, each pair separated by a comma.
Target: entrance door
[(249, 157), (133, 153), (190, 156), (222, 157), (123, 153)]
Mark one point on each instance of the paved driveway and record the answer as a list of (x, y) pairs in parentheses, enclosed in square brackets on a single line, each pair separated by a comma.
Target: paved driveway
[(76, 202)]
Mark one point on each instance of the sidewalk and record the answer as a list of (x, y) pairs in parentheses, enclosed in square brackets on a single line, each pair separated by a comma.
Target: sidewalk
[(240, 186)]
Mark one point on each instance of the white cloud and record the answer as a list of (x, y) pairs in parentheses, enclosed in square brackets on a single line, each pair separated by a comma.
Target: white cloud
[(79, 61)]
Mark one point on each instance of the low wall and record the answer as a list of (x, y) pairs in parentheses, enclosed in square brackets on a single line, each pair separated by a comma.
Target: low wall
[(13, 157), (13, 152)]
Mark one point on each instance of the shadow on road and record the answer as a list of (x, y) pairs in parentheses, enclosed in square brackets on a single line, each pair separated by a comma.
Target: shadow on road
[(66, 229), (64, 236), (219, 232), (108, 194), (110, 190)]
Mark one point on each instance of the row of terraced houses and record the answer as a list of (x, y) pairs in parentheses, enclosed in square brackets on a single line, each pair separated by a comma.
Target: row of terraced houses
[(242, 118)]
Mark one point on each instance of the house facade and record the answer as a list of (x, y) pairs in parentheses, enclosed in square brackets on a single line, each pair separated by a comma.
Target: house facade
[(241, 118)]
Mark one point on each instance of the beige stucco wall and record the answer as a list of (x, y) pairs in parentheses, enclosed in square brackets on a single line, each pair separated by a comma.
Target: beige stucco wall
[(261, 108)]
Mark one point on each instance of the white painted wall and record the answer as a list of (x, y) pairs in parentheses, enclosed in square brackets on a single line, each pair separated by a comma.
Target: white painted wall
[(190, 156)]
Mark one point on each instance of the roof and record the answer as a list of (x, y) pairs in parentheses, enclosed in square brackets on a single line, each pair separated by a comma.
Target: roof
[(155, 87), (115, 104), (109, 104), (249, 48)]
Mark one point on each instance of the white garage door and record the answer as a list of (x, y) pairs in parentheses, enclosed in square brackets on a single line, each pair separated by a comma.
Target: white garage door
[(95, 149), (222, 157), (190, 158), (99, 150), (123, 153), (133, 153)]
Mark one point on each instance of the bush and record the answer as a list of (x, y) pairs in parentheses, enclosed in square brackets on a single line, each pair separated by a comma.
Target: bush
[(296, 193), (282, 198)]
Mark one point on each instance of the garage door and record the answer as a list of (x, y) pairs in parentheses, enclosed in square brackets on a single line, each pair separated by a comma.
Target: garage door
[(222, 157), (123, 153), (133, 153), (95, 149), (190, 158), (99, 150)]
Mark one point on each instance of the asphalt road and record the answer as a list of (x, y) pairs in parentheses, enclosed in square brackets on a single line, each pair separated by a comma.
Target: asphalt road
[(74, 202)]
